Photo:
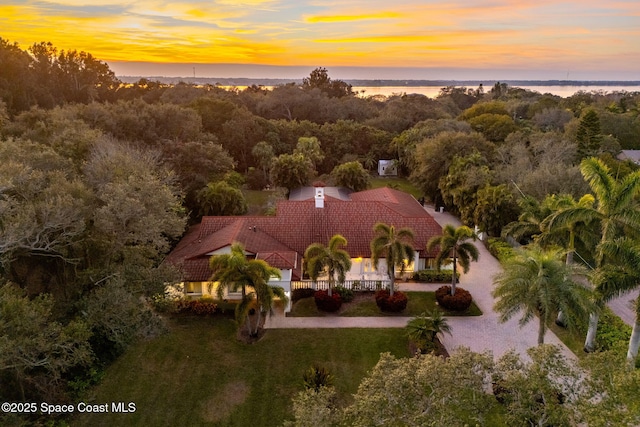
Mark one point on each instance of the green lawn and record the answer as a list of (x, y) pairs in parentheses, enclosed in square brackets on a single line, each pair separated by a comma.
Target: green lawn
[(200, 375), (397, 183), (259, 201), (417, 304)]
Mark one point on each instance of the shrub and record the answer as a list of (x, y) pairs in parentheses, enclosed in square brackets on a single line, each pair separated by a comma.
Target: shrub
[(434, 276), (461, 301), (500, 249), (163, 303), (346, 294), (611, 330), (324, 302), (391, 303), (298, 294), (200, 307), (316, 377)]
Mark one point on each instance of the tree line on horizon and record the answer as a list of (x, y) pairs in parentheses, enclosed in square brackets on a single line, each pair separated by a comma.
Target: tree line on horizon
[(101, 179)]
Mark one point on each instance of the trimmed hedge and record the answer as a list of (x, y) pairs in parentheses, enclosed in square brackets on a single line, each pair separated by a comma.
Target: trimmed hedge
[(500, 249), (324, 302), (200, 307), (435, 276), (298, 294), (461, 301), (611, 331), (391, 303), (346, 294)]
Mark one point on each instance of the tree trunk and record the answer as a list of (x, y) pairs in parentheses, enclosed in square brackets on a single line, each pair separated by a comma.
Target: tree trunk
[(392, 278), (248, 322), (542, 330), (590, 341), (560, 319), (255, 333), (634, 341), (453, 276)]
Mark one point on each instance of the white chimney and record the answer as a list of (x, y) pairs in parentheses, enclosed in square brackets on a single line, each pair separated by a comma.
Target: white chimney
[(319, 197)]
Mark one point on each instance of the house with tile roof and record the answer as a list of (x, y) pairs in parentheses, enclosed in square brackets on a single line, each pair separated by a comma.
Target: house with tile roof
[(309, 216)]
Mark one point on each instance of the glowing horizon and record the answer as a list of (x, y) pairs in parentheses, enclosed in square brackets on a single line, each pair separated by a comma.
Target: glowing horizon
[(587, 37)]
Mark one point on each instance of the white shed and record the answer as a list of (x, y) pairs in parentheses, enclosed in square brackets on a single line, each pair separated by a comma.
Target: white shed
[(387, 167)]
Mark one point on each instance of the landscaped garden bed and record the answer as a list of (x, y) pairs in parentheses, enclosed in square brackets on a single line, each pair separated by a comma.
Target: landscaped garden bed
[(364, 305)]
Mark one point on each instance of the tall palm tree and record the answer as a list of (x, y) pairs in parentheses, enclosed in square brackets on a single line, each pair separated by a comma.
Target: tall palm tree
[(395, 246), (533, 223), (234, 271), (539, 283), (616, 212), (454, 243), (568, 234), (265, 298), (619, 277), (529, 224), (331, 258)]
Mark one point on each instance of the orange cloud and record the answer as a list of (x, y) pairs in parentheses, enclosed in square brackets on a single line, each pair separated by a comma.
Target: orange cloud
[(349, 18)]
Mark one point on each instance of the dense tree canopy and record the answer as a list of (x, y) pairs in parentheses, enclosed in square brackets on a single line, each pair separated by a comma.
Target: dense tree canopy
[(351, 175), (98, 177)]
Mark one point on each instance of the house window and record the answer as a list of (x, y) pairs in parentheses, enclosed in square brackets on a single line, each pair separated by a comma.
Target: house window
[(193, 287)]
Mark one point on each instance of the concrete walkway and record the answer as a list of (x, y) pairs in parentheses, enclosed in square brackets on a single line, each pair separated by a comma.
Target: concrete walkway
[(623, 307), (479, 333)]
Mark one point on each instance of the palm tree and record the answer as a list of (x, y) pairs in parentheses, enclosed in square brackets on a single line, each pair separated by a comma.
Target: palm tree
[(265, 298), (619, 277), (394, 246), (454, 243), (616, 212), (529, 224), (427, 326), (332, 259), (569, 233), (539, 283), (234, 271), (533, 223)]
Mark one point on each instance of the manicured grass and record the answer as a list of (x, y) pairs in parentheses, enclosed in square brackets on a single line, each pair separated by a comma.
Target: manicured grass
[(573, 340), (399, 183), (418, 303), (258, 201), (200, 375)]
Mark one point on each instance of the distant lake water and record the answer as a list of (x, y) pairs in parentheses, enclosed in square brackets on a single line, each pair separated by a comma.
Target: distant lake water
[(432, 91)]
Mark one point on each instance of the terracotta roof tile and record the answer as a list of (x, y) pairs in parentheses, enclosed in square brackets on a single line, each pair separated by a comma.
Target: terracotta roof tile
[(297, 224)]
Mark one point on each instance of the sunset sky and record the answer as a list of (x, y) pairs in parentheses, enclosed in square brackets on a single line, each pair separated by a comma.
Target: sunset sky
[(420, 39)]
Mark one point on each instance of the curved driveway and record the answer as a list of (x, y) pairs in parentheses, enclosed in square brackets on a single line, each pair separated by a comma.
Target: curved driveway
[(479, 333)]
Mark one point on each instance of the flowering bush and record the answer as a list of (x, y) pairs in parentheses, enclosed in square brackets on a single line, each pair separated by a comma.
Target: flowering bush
[(392, 303), (458, 302), (328, 303), (199, 307)]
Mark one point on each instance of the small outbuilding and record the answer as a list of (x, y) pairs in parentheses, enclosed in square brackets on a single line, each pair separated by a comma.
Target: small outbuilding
[(387, 168)]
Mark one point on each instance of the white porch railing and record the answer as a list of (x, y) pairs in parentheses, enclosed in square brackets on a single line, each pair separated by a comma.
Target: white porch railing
[(354, 285)]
